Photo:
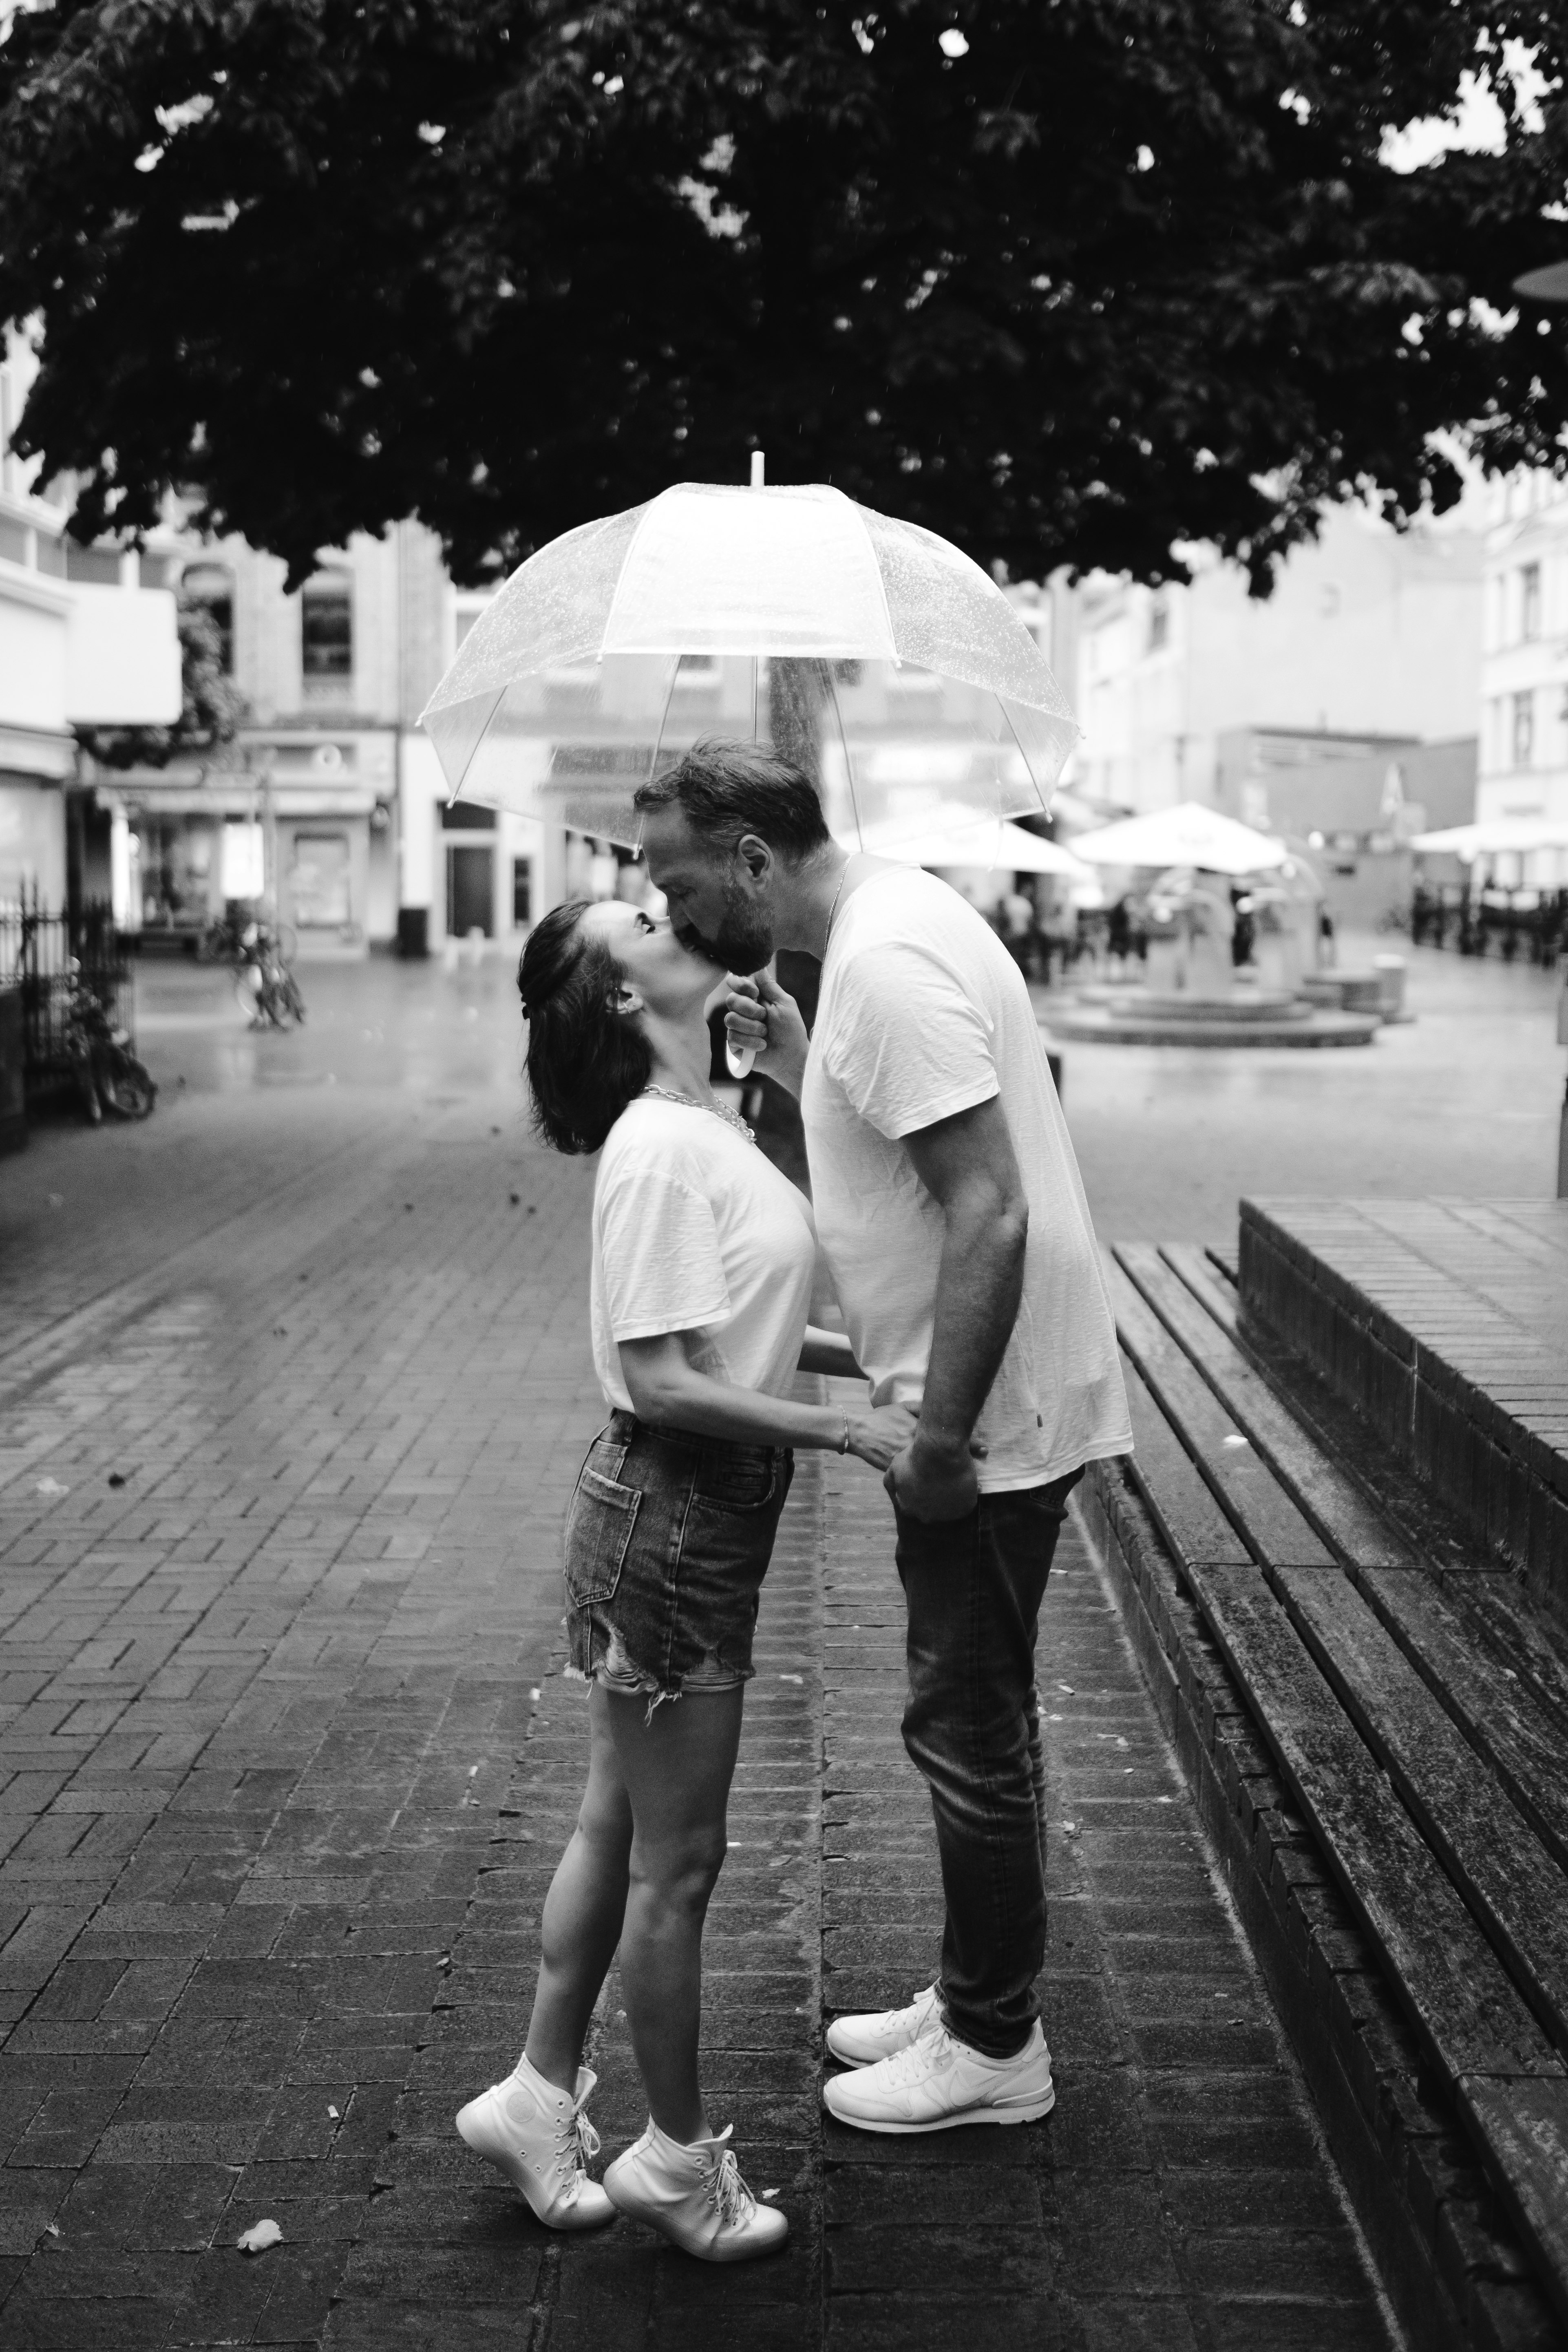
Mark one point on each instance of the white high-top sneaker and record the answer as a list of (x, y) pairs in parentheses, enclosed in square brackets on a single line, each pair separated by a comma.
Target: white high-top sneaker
[(939, 2083), (695, 2196), (861, 2041), (540, 2138)]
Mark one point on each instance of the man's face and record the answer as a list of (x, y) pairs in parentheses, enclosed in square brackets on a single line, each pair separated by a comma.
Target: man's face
[(717, 906)]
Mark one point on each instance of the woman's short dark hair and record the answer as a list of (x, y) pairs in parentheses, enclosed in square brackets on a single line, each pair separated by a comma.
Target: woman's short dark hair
[(726, 790), (586, 1062)]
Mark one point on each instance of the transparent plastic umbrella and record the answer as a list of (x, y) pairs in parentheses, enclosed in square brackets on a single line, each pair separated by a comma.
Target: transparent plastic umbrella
[(869, 650)]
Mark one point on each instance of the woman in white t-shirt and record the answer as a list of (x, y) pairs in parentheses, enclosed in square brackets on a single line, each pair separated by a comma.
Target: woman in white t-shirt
[(702, 1266)]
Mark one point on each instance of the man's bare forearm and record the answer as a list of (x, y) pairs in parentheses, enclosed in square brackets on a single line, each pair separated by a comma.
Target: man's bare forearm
[(979, 1285)]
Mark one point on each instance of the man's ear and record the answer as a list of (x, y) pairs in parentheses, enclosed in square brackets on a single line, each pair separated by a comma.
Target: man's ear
[(755, 855)]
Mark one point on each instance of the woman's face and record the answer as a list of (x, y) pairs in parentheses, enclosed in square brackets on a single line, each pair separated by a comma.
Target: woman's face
[(671, 980)]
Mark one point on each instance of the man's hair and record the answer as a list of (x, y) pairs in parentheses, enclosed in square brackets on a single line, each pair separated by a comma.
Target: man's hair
[(725, 789), (586, 1062)]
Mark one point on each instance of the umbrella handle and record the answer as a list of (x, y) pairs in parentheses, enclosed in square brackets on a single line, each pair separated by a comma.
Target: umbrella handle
[(739, 1059)]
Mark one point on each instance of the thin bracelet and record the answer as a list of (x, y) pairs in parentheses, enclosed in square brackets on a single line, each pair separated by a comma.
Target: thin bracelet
[(844, 1441)]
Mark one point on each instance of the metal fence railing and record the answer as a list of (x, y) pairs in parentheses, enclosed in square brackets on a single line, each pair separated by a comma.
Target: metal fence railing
[(37, 950)]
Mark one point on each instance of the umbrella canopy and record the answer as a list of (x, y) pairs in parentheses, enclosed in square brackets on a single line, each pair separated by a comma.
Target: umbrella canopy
[(1189, 835), (1500, 833), (789, 616), (954, 837)]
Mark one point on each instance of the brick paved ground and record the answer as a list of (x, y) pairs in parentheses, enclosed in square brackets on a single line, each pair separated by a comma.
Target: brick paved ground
[(292, 1389)]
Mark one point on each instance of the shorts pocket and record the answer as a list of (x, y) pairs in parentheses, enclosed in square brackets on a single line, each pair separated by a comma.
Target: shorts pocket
[(598, 1531), (744, 1481)]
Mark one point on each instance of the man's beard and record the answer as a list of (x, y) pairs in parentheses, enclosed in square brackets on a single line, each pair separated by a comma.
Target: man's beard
[(743, 941)]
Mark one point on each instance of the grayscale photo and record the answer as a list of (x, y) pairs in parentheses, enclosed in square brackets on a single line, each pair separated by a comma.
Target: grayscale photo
[(783, 1176)]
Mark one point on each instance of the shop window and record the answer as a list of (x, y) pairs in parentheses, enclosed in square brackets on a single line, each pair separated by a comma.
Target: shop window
[(211, 586), (1529, 601), (13, 541), (51, 555), (467, 816), (95, 567), (318, 880), (1523, 729), (327, 627), (1158, 625), (175, 872), (521, 892)]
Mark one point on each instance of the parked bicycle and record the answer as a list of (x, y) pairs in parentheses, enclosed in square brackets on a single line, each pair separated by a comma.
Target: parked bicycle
[(264, 986), (223, 942), (108, 1075)]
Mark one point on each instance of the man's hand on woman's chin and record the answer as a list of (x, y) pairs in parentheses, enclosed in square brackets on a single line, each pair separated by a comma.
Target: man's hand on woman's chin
[(934, 1483)]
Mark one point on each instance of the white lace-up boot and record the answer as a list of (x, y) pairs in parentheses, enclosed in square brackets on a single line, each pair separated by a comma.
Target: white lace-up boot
[(939, 2083), (540, 2138), (861, 2041), (695, 2197)]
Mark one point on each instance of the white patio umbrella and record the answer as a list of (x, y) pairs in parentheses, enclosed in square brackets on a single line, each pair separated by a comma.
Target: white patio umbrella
[(1494, 837), (791, 616), (1189, 835), (954, 837)]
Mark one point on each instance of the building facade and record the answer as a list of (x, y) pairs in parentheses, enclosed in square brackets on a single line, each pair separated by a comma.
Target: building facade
[(88, 637), (1523, 696), (1370, 636)]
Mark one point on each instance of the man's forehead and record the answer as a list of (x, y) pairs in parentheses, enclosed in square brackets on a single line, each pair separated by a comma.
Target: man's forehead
[(671, 846)]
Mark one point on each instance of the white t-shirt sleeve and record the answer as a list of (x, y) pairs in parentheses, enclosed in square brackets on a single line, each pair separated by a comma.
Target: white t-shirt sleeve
[(663, 1270), (909, 1045)]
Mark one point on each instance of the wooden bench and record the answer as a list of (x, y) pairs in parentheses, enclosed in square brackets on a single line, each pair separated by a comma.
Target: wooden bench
[(1376, 1713), (1444, 1324)]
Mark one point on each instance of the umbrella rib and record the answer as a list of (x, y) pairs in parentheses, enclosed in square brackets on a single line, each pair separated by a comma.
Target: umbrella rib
[(848, 762), (479, 747), (1028, 763), (663, 715)]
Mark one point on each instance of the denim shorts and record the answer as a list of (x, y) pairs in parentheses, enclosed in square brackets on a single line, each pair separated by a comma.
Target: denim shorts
[(668, 1537)]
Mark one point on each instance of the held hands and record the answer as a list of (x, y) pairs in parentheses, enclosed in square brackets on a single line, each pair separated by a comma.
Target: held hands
[(758, 1013), (878, 1433), (932, 1482)]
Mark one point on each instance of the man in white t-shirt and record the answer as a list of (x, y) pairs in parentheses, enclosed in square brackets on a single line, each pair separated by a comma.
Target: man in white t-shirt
[(951, 1213)]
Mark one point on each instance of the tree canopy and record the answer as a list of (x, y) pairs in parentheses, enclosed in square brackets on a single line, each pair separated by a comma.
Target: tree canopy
[(1067, 280)]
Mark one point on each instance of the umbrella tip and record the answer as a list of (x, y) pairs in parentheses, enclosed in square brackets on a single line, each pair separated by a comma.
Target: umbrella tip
[(757, 469)]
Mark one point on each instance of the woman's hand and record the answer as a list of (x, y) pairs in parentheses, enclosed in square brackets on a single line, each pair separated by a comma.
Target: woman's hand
[(880, 1433), (757, 1014)]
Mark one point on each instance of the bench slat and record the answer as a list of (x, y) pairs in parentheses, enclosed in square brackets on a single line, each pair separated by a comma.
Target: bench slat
[(1469, 2015), (1184, 1510), (1209, 1288), (1508, 1621), (1498, 1713), (1332, 1503), (1523, 2128), (1512, 1884), (1248, 1493)]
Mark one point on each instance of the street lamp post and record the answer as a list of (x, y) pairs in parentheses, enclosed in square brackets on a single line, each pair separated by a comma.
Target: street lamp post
[(1549, 284)]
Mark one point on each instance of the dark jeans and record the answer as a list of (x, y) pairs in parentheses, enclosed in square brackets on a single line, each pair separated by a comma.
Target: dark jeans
[(973, 1589)]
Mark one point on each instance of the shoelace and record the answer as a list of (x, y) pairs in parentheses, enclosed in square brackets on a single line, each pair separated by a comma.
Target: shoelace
[(917, 2057), (727, 2191), (576, 2144)]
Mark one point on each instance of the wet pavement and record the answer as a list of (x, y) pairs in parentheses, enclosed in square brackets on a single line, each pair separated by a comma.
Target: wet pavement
[(293, 1384)]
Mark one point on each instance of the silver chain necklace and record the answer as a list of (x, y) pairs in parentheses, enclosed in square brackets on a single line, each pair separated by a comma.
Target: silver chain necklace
[(719, 1110)]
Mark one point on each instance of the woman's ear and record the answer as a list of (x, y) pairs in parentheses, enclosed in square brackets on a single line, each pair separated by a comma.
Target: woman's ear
[(624, 999)]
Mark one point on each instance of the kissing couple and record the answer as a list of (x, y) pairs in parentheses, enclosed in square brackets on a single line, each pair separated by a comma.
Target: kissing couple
[(947, 1207)]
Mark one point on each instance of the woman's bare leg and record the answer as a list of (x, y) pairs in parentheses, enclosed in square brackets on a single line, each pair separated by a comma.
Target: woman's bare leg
[(676, 1768), (583, 1909)]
